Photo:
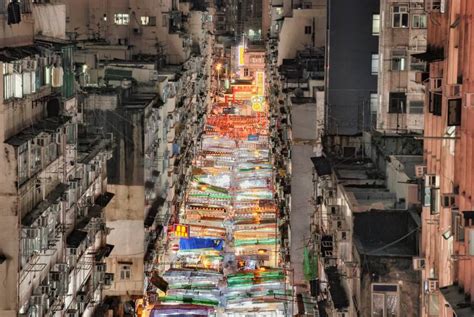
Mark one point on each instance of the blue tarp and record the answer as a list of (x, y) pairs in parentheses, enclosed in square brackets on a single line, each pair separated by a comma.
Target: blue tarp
[(200, 243)]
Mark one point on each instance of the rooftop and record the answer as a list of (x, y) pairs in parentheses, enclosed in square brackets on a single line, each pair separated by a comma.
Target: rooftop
[(456, 298), (338, 293), (364, 185), (387, 233), (408, 163), (49, 125)]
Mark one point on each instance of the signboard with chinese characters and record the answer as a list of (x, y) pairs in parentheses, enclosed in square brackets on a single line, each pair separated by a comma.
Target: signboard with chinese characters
[(260, 83), (241, 55)]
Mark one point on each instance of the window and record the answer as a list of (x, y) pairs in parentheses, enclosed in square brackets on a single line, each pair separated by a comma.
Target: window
[(385, 300), (457, 227), (436, 103), (400, 16), (375, 64), (399, 60), (416, 106), (418, 21), (125, 272), (35, 156), (165, 21), (307, 29), (454, 112), (417, 64), (121, 18), (149, 21), (374, 102), (397, 102), (246, 72), (375, 24), (23, 162)]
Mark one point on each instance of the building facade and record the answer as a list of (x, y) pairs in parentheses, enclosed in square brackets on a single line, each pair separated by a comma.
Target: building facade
[(447, 225), (350, 82), (54, 187), (398, 105)]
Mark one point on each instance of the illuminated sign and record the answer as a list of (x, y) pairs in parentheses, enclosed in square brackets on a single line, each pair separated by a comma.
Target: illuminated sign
[(243, 88), (260, 82), (181, 231), (241, 55)]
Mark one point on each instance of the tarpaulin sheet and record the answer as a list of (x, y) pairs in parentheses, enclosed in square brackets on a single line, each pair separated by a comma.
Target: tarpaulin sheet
[(200, 243)]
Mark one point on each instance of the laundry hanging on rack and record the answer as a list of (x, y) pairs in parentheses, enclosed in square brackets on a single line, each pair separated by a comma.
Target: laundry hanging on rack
[(13, 12)]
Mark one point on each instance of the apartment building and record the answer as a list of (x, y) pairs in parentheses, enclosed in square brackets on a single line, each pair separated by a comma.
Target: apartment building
[(54, 184), (397, 105), (139, 28), (350, 82), (302, 28), (365, 238), (447, 226)]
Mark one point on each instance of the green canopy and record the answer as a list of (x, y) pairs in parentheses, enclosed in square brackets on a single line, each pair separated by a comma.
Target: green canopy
[(310, 265)]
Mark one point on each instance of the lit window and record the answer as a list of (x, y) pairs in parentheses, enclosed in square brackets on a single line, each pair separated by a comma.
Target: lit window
[(125, 272), (419, 21), (307, 29), (374, 102), (375, 24), (375, 64), (145, 20), (400, 16), (279, 11), (385, 300), (399, 60), (121, 18), (149, 21)]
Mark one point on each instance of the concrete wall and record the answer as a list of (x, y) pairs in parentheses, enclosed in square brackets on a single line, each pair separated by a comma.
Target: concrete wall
[(50, 20), (125, 215), (398, 181), (16, 34), (292, 33), (414, 40)]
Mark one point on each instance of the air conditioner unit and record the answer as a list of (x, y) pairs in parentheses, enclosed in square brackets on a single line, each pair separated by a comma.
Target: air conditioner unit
[(448, 200), (418, 263), (469, 100), (431, 180), (432, 285), (420, 171), (453, 91)]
